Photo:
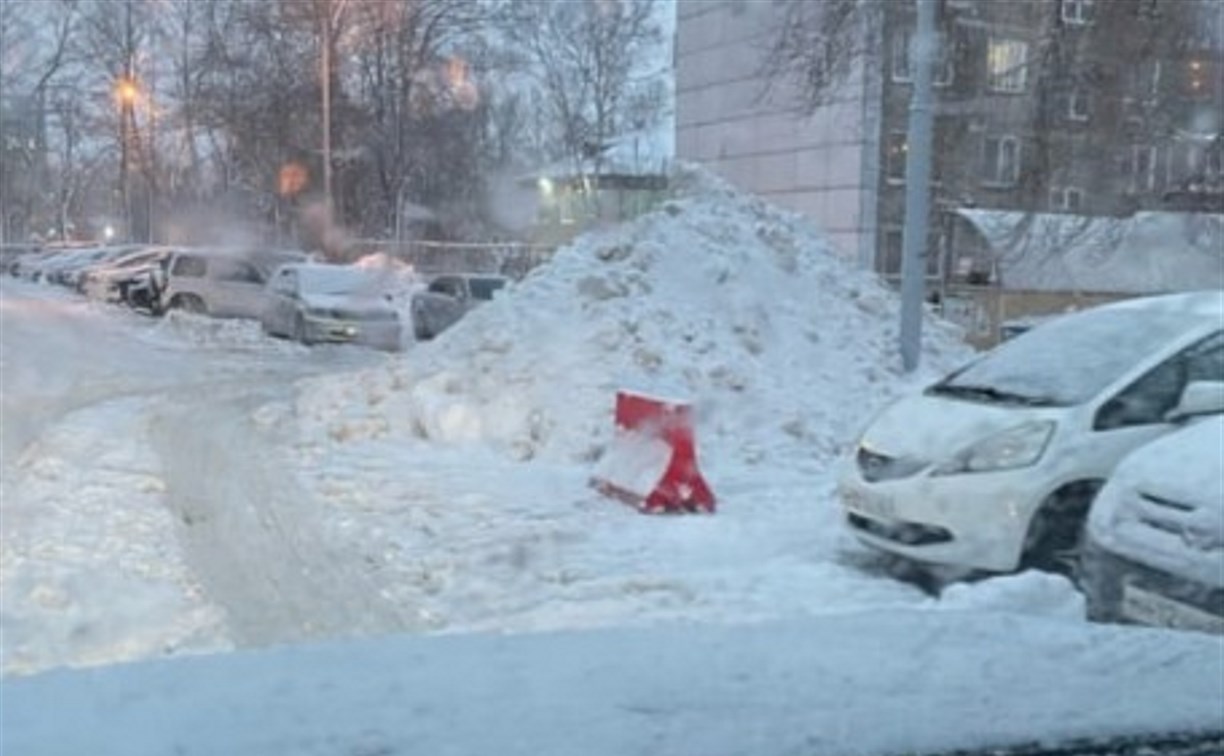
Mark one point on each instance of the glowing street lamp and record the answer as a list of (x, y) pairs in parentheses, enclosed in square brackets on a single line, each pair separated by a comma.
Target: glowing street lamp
[(126, 92)]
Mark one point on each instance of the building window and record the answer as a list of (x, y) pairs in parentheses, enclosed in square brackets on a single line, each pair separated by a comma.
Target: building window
[(1142, 168), (1145, 80), (945, 66), (900, 56), (1067, 199), (1198, 78), (1077, 106), (1001, 161), (1007, 64), (1078, 12), (894, 163)]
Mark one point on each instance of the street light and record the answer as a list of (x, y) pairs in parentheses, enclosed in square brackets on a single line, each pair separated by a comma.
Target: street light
[(126, 93)]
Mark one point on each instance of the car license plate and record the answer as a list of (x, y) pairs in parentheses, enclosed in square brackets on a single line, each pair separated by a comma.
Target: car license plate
[(869, 503), (1154, 609)]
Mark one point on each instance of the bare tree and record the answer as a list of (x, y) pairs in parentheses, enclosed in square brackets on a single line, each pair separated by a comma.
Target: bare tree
[(36, 38), (584, 57)]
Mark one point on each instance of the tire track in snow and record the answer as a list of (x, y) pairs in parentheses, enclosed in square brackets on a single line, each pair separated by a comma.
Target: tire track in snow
[(254, 536)]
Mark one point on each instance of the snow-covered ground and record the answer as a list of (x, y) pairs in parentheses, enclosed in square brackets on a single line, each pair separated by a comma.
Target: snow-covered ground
[(190, 486)]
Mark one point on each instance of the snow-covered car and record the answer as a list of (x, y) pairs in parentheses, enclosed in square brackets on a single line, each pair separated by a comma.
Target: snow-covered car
[(312, 302), (448, 298), (105, 281), (41, 265), (1154, 553), (221, 283), (995, 466), (10, 254), (69, 271)]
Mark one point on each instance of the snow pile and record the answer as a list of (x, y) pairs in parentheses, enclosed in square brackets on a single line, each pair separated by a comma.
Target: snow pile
[(1032, 593), (178, 328), (717, 297)]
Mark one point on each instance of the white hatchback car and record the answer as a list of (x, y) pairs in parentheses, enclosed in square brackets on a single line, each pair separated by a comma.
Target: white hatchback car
[(1154, 553), (994, 467)]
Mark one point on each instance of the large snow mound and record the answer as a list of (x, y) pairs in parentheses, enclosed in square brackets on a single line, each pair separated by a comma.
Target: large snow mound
[(717, 298)]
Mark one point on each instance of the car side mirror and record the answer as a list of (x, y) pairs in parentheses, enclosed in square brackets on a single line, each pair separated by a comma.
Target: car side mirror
[(1198, 398)]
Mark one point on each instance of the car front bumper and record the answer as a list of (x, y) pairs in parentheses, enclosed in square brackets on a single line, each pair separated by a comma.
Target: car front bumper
[(380, 334), (1123, 590), (973, 521)]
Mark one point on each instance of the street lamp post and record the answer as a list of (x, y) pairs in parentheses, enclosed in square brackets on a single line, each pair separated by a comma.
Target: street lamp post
[(329, 20), (126, 93)]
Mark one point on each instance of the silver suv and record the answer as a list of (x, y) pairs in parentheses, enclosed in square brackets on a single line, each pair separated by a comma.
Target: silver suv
[(220, 283)]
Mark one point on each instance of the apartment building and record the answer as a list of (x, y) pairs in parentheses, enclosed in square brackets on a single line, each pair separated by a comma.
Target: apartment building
[(1082, 108)]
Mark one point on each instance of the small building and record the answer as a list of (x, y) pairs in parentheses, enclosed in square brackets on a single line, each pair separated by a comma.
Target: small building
[(619, 181), (1010, 265)]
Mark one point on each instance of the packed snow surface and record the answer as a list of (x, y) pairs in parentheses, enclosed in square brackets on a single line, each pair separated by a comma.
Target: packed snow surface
[(873, 683)]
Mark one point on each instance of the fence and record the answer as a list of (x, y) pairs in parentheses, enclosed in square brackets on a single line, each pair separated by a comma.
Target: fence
[(514, 259)]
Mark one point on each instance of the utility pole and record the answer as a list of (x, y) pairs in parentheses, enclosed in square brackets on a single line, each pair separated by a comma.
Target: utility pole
[(326, 73), (923, 51)]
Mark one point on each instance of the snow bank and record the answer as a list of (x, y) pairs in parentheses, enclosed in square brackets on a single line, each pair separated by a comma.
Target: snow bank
[(743, 308)]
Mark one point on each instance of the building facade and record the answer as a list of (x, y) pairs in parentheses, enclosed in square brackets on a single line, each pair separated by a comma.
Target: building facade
[(1079, 107)]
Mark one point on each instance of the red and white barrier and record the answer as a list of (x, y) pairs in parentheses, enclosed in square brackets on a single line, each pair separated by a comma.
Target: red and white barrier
[(651, 463)]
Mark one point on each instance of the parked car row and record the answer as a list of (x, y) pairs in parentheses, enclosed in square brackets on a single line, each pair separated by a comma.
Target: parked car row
[(1090, 445), (290, 295)]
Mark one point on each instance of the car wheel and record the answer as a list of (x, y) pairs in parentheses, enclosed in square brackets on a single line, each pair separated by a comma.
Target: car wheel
[(188, 303), (1055, 535)]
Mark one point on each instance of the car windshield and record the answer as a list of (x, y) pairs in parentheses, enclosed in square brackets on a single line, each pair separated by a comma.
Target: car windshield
[(338, 280), (1067, 360), (484, 288)]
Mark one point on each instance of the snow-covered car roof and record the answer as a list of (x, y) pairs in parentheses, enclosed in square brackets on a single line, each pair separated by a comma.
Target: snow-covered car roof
[(322, 278), (1068, 360)]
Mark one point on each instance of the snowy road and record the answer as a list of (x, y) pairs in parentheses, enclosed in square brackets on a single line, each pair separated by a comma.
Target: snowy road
[(141, 514)]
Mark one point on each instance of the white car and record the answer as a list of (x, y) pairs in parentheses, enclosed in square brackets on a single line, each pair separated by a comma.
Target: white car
[(314, 303), (994, 467), (1155, 539)]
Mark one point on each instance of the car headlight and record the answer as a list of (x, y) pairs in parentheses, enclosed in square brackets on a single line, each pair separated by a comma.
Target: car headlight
[(1017, 447)]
